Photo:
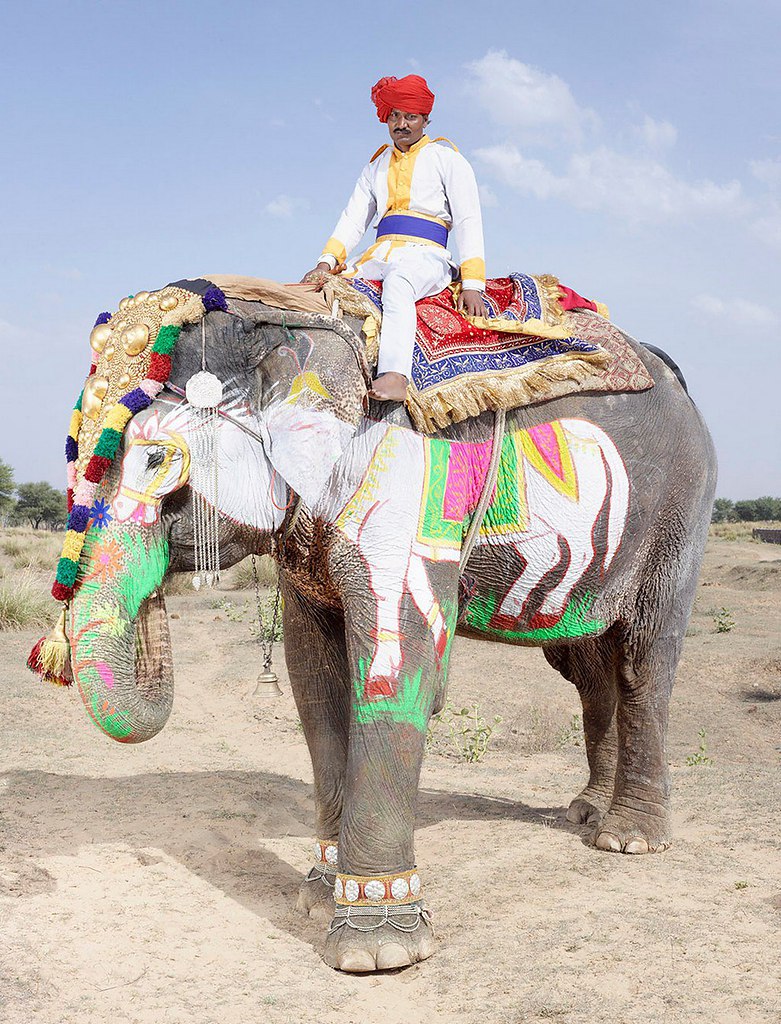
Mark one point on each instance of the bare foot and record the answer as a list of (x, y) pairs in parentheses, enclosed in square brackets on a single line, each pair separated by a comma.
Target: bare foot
[(389, 387)]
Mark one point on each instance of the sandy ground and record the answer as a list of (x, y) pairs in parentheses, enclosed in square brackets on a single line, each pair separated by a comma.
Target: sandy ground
[(155, 884)]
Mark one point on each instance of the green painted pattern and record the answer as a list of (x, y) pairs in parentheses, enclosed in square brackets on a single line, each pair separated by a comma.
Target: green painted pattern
[(575, 621), (506, 513), (411, 705), (107, 718), (434, 526)]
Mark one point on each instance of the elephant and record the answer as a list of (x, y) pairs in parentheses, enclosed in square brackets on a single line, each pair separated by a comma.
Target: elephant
[(590, 548)]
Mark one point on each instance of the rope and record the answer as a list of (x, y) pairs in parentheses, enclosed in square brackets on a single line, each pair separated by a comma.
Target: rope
[(488, 489), (349, 917)]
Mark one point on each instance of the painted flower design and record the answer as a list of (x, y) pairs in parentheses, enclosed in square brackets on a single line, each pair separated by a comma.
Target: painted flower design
[(100, 514), (110, 621), (106, 561)]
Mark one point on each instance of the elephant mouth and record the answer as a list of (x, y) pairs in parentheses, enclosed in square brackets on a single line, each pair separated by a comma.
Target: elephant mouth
[(153, 659)]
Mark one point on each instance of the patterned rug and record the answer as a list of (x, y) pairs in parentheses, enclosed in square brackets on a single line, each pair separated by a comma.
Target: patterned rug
[(529, 349)]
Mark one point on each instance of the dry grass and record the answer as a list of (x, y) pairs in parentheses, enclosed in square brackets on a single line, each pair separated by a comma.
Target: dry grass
[(24, 601), (739, 531), (241, 574)]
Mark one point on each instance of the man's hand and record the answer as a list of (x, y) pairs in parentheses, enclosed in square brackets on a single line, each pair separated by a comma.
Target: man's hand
[(318, 276), (470, 301)]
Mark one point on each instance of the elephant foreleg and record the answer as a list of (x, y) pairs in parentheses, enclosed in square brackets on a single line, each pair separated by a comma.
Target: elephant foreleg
[(378, 922), (316, 657)]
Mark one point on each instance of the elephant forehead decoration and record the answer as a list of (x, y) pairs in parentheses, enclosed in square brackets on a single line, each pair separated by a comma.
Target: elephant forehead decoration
[(156, 462)]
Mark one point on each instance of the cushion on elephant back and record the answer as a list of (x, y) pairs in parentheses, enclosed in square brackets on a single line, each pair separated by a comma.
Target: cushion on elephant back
[(531, 347)]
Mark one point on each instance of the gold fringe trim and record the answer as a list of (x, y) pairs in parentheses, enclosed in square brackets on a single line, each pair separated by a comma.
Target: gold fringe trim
[(474, 393)]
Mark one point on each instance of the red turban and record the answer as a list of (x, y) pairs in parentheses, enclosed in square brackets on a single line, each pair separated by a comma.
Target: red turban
[(410, 95)]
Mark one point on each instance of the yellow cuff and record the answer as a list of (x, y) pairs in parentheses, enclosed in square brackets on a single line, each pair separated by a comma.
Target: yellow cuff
[(333, 247), (473, 270)]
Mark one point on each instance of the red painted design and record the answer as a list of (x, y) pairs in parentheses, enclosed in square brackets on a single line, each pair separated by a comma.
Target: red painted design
[(379, 686)]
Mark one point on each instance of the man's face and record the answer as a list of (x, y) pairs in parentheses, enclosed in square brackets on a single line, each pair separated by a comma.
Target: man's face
[(406, 129)]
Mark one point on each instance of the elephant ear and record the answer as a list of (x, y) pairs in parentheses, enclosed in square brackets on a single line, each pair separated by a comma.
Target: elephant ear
[(311, 415)]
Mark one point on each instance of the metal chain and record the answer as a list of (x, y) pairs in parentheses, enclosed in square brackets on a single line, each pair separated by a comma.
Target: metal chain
[(378, 917), (266, 643)]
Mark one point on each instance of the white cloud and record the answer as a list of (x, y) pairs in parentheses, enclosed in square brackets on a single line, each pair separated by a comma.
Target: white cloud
[(657, 135), (632, 187), (734, 311), (487, 196), (284, 207), (520, 97), (767, 226), (767, 171)]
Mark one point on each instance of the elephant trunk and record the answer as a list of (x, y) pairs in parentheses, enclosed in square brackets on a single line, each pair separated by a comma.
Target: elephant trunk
[(121, 647)]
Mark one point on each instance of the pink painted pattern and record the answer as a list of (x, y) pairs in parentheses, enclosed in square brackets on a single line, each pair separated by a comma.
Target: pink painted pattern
[(467, 467), (547, 444)]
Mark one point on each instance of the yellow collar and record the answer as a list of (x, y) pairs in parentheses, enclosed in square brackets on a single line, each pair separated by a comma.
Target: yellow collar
[(422, 141)]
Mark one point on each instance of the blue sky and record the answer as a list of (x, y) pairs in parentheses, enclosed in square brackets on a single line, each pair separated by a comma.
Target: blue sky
[(633, 150)]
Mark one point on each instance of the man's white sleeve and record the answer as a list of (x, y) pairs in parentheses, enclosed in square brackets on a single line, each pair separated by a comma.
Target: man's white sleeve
[(355, 219), (467, 229)]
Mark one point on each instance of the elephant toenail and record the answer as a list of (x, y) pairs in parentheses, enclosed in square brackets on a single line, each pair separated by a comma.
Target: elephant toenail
[(357, 961), (607, 841), (391, 955), (636, 846)]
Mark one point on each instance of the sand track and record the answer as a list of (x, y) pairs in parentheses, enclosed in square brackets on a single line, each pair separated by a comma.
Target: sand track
[(155, 884)]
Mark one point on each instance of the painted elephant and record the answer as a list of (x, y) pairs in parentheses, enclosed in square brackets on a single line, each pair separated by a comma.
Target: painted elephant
[(590, 548)]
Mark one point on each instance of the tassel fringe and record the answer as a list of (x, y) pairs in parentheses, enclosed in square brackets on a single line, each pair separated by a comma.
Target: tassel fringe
[(472, 394), (50, 658)]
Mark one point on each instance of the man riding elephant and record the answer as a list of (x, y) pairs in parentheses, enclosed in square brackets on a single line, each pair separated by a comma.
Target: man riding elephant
[(420, 191)]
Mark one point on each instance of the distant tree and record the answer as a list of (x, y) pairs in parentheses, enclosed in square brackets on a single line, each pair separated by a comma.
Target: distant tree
[(767, 508), (754, 510), (40, 504), (7, 488), (723, 511)]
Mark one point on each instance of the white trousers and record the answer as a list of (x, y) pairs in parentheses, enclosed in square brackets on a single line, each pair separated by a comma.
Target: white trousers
[(409, 273)]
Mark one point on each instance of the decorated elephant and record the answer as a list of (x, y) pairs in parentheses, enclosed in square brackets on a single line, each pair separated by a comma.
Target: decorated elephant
[(589, 547)]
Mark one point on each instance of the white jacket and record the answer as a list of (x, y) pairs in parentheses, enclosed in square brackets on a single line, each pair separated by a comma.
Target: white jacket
[(430, 181)]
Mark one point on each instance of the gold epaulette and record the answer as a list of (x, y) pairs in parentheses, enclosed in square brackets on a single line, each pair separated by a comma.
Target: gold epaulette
[(443, 138), (380, 150)]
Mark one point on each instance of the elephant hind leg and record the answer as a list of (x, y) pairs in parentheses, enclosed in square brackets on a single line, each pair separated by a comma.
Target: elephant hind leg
[(591, 665)]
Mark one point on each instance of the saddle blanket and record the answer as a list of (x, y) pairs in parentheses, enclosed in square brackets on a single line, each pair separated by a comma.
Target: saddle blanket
[(528, 349), (541, 340)]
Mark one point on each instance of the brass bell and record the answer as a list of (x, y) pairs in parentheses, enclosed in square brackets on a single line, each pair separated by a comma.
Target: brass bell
[(168, 302), (140, 297), (268, 685), (124, 303), (109, 351), (99, 337), (124, 380), (135, 339)]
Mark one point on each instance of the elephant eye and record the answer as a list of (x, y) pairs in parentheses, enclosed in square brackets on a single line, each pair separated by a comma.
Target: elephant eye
[(155, 457)]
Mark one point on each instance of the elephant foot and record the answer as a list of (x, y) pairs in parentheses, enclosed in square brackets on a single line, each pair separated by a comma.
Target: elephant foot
[(316, 897), (379, 942), (628, 829), (588, 807)]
